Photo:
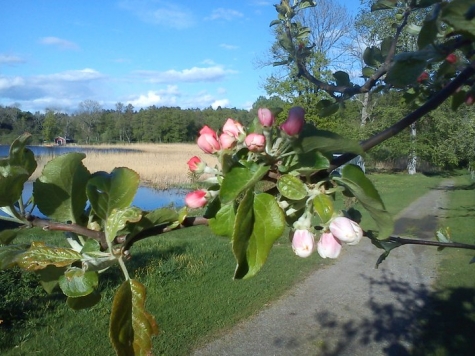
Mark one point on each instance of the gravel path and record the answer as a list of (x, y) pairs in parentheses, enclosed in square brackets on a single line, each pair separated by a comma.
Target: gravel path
[(349, 308)]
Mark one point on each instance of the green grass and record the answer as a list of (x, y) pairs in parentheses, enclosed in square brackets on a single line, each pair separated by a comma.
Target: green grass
[(450, 322), (188, 275)]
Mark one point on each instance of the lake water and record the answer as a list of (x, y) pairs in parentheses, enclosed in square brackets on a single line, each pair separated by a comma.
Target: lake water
[(146, 198)]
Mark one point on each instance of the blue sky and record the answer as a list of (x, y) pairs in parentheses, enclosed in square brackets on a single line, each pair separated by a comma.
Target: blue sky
[(193, 54)]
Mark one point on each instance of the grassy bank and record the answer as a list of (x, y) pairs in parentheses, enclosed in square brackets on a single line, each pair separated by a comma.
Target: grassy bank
[(188, 275), (159, 165), (450, 321)]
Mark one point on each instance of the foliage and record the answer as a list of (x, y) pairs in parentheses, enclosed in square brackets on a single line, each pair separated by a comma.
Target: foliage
[(269, 176)]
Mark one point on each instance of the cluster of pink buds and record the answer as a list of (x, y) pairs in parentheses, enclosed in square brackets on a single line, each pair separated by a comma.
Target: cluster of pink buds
[(341, 230), (233, 136)]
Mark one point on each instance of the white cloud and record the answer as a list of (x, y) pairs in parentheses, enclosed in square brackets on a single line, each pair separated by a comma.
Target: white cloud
[(59, 42), (160, 13), (222, 102), (10, 60), (195, 74), (224, 14), (228, 46), (38, 91)]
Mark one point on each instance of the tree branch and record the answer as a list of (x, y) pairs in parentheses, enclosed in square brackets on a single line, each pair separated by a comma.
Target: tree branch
[(406, 241)]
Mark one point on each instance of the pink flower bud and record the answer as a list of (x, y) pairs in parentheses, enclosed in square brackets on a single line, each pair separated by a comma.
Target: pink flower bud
[(295, 121), (196, 165), (208, 140), (451, 58), (196, 199), (255, 142), (233, 128), (303, 243), (266, 117), (346, 230), (328, 246), (227, 141)]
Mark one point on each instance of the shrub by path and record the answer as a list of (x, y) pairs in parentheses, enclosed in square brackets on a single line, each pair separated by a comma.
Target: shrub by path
[(349, 308)]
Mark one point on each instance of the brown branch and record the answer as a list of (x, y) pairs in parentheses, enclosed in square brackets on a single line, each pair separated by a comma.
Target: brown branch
[(80, 230), (433, 103), (406, 241)]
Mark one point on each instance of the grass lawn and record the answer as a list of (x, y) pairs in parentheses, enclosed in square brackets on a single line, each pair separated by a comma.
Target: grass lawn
[(450, 322), (188, 275)]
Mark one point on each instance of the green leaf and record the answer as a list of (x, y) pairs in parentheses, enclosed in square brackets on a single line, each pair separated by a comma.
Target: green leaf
[(353, 178), (131, 327), (49, 277), (342, 78), (457, 14), (323, 206), (386, 44), (85, 302), (372, 56), (223, 222), (269, 224), (405, 71), (116, 190), (274, 22), (7, 236), (39, 256), (327, 107), (22, 156), (60, 190), (12, 179), (326, 142), (428, 33), (368, 72), (76, 282), (291, 187), (242, 230), (240, 178), (384, 5), (413, 29), (10, 253), (309, 163), (387, 246), (118, 218)]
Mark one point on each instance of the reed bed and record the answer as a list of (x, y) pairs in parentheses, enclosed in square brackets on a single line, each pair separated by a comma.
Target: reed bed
[(161, 166)]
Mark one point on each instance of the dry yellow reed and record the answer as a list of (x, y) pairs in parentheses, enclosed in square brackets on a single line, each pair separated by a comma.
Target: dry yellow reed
[(159, 165)]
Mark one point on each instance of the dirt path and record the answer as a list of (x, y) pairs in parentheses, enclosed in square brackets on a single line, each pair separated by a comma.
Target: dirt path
[(349, 308)]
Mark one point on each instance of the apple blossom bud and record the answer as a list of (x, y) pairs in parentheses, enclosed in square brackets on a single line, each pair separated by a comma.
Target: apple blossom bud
[(346, 230), (233, 128), (196, 165), (266, 118), (470, 99), (451, 58), (423, 77), (227, 141), (303, 243), (255, 142), (196, 199), (208, 140), (295, 121), (328, 246)]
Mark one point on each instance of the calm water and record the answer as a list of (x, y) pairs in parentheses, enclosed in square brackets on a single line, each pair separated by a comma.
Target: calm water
[(145, 199), (52, 151)]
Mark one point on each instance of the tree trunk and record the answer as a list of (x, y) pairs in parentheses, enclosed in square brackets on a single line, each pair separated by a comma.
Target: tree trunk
[(412, 161)]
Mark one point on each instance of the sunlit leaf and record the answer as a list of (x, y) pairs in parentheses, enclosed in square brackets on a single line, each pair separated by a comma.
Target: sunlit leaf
[(39, 256), (131, 326), (118, 218), (269, 224), (323, 206), (240, 178), (116, 190), (223, 222), (76, 282), (242, 231), (60, 190), (291, 187), (12, 179), (10, 253), (353, 178), (22, 156)]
